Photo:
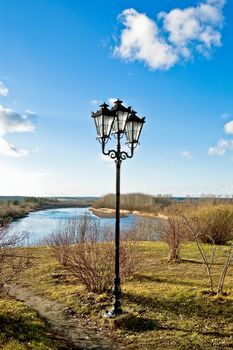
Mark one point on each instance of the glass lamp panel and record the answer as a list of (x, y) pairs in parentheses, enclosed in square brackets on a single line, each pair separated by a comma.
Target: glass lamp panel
[(98, 125), (107, 125), (129, 131), (137, 126), (120, 121), (132, 130)]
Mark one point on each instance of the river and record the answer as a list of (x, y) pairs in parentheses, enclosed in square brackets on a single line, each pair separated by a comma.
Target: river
[(42, 223)]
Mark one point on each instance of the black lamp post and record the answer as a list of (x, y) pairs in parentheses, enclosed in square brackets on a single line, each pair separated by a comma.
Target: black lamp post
[(117, 121)]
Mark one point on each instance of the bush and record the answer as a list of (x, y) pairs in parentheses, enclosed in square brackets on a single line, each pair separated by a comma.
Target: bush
[(87, 250), (174, 233), (12, 259), (215, 222)]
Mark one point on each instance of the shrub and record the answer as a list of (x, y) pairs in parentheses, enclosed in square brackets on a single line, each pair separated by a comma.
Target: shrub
[(174, 233), (86, 249), (12, 259), (215, 222), (194, 224)]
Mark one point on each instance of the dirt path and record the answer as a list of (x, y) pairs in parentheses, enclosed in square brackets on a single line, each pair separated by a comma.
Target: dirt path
[(56, 315)]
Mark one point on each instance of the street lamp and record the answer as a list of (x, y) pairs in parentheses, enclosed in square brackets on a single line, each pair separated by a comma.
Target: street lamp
[(118, 121)]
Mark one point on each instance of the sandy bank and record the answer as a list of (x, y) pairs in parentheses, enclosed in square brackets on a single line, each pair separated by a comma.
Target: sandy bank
[(110, 213)]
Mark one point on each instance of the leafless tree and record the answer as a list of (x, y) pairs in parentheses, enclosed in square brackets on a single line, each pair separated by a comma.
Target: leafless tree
[(86, 249), (225, 268), (13, 259)]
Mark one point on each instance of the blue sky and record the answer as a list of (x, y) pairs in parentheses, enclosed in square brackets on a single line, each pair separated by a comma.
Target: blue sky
[(170, 60)]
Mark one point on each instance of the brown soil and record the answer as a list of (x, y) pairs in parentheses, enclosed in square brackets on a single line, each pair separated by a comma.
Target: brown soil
[(62, 322)]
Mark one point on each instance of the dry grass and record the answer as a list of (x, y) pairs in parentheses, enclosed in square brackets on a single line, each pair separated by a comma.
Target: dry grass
[(22, 329), (166, 304)]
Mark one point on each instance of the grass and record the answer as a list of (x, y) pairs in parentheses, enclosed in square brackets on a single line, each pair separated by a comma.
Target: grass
[(166, 305), (22, 328)]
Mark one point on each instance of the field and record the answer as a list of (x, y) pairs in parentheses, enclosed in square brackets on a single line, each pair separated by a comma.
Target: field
[(166, 306)]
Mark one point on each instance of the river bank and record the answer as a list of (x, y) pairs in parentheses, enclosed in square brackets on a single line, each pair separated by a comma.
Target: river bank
[(110, 213), (13, 210)]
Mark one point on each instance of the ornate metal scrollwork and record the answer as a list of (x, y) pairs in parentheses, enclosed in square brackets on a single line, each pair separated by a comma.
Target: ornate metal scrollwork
[(112, 154), (124, 155), (117, 154)]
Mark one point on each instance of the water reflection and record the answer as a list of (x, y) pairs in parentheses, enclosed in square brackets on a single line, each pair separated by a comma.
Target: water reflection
[(40, 224)]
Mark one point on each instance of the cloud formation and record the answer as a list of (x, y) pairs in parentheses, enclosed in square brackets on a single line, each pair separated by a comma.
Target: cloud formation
[(3, 89), (29, 112), (228, 127), (186, 154), (173, 36), (221, 148), (9, 150), (11, 122), (111, 101)]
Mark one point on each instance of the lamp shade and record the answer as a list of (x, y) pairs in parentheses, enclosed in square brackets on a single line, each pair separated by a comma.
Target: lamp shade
[(122, 114), (133, 128), (104, 119)]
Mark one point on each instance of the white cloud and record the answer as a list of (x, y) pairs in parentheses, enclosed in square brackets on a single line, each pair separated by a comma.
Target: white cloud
[(141, 40), (29, 112), (175, 36), (186, 154), (221, 148), (9, 150), (3, 89), (194, 27), (11, 122), (111, 101), (228, 127)]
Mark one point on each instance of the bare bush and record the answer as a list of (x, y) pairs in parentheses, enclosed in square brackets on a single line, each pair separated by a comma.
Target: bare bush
[(197, 228), (12, 258), (86, 249), (174, 233)]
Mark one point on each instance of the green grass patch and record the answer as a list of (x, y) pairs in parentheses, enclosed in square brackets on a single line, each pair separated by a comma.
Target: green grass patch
[(166, 305), (22, 328)]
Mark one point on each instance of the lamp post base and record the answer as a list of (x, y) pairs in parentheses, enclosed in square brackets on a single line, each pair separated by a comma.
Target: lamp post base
[(116, 310), (112, 313)]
